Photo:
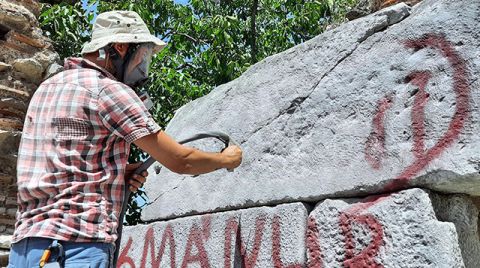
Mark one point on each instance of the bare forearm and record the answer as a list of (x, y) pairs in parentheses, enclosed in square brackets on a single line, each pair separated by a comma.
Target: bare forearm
[(186, 160), (197, 162)]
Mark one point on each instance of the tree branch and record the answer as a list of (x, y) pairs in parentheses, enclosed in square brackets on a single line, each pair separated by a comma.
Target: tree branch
[(192, 39)]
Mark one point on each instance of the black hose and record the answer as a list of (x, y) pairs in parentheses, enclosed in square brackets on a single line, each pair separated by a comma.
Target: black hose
[(214, 134)]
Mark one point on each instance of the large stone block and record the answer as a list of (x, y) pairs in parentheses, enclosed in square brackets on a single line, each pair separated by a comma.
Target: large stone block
[(378, 104), (5, 241), (462, 212), (9, 142), (16, 17), (397, 230), (365, 7), (4, 258), (5, 67), (258, 237), (32, 5), (29, 69)]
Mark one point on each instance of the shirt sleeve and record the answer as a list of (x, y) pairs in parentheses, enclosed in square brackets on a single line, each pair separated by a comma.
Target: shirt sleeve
[(124, 114)]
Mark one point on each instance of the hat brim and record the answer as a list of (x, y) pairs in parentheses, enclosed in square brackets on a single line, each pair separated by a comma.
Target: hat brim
[(98, 43)]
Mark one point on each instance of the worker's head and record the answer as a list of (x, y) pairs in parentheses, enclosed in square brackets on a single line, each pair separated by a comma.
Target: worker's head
[(122, 43)]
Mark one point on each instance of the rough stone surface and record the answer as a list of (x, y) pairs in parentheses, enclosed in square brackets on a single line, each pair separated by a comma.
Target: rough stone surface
[(5, 241), (30, 69), (258, 237), (365, 7), (9, 141), (4, 258), (32, 5), (4, 66), (461, 211), (53, 70), (16, 17), (368, 107), (4, 249), (25, 58), (398, 230)]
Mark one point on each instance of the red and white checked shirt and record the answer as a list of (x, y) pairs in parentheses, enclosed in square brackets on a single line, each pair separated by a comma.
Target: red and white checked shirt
[(72, 157)]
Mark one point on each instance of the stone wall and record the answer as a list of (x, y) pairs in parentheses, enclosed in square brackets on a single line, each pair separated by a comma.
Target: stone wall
[(361, 149), (26, 58), (365, 7)]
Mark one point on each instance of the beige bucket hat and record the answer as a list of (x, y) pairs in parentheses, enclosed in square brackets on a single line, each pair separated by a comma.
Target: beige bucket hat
[(120, 27)]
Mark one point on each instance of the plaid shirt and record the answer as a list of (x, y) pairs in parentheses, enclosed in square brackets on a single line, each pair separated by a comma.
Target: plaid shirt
[(73, 153)]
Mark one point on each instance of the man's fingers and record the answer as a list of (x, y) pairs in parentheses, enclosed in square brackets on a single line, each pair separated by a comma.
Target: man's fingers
[(140, 178), (133, 189), (134, 185), (133, 166), (136, 181)]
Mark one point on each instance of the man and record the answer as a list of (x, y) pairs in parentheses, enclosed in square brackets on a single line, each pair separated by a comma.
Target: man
[(72, 161)]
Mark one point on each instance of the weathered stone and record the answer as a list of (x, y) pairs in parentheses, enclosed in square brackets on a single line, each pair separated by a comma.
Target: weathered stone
[(4, 258), (5, 241), (9, 142), (461, 211), (5, 67), (10, 107), (366, 108), (12, 211), (16, 17), (12, 92), (52, 70), (365, 7), (47, 58), (13, 52), (29, 69), (258, 237), (11, 201), (13, 124), (7, 221), (32, 5), (29, 40), (24, 42), (397, 230)]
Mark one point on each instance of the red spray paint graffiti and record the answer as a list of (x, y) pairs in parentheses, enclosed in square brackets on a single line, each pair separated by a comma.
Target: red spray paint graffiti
[(375, 147), (196, 243), (313, 244), (424, 156), (356, 215), (150, 242), (197, 237)]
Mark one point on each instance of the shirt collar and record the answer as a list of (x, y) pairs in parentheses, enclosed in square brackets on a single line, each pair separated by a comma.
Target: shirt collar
[(78, 63)]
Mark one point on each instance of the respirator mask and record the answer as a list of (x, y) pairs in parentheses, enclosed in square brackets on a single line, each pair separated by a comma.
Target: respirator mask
[(132, 70)]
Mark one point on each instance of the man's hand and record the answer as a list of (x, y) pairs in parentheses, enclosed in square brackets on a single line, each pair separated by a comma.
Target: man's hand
[(234, 155), (186, 160), (135, 181)]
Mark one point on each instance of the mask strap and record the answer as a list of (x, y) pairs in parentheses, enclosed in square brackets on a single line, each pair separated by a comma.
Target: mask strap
[(101, 54)]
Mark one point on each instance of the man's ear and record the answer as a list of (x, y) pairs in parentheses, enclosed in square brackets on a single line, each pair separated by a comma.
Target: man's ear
[(121, 48)]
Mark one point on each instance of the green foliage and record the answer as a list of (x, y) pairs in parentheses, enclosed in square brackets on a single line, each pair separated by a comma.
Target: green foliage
[(67, 26), (210, 42)]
